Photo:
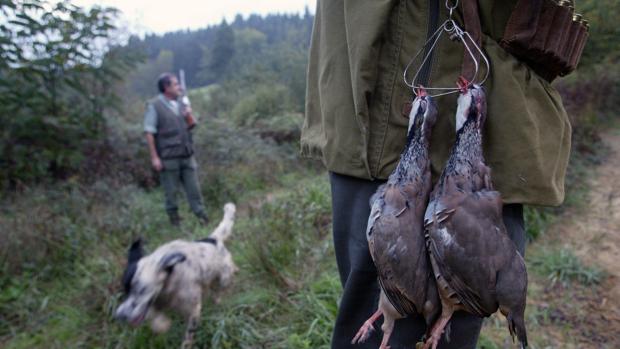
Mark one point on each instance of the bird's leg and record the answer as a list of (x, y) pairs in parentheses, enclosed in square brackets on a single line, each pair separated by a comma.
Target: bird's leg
[(438, 328), (387, 328), (367, 328)]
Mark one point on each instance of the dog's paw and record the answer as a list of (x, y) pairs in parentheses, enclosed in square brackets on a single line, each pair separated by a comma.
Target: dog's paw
[(160, 324)]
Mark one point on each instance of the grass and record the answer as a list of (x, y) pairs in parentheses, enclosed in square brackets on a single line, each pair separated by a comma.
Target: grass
[(63, 252), (562, 265), (537, 220), (61, 268), (561, 288), (60, 283)]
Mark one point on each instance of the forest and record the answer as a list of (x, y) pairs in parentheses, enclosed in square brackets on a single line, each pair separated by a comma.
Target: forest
[(76, 185)]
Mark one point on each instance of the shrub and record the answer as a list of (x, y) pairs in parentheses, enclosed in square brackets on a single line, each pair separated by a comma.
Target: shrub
[(562, 265), (264, 102)]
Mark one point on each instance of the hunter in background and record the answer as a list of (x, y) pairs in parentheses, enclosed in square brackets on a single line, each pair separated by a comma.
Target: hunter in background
[(167, 124)]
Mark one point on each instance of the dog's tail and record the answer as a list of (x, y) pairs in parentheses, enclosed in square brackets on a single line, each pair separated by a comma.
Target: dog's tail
[(224, 229)]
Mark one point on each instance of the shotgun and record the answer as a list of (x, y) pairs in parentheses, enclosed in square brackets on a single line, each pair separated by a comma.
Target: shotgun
[(185, 103)]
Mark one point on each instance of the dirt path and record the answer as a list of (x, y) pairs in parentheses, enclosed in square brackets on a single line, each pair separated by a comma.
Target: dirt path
[(573, 315), (593, 232)]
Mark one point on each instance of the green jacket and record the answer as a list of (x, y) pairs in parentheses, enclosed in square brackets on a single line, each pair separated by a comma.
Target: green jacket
[(356, 93)]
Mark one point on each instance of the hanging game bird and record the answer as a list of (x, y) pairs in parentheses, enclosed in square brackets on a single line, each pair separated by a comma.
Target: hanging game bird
[(395, 230), (476, 265)]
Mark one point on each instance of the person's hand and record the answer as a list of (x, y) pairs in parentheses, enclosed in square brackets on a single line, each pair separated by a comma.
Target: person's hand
[(187, 111), (157, 165)]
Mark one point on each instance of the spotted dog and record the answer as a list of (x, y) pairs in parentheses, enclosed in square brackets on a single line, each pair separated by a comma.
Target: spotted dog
[(175, 276)]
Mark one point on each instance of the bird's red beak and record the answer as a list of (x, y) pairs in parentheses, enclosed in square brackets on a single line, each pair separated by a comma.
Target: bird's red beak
[(462, 83), (420, 91)]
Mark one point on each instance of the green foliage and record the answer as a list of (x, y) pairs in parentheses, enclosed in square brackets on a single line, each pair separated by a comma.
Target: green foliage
[(143, 79), (603, 44), (562, 265), (236, 162), (263, 102), (217, 58), (591, 98), (537, 219), (277, 240), (78, 237), (486, 343), (240, 55), (55, 83), (214, 101), (76, 234), (287, 301)]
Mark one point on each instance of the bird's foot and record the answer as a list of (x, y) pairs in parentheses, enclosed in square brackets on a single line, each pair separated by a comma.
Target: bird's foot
[(437, 331), (367, 328), (431, 343), (428, 343), (364, 332)]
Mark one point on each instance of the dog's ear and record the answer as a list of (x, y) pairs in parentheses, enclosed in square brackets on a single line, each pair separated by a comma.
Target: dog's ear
[(134, 254), (128, 275), (168, 261), (135, 251)]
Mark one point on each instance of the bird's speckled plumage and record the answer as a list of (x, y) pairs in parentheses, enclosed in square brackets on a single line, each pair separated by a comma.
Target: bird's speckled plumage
[(395, 229), (476, 265)]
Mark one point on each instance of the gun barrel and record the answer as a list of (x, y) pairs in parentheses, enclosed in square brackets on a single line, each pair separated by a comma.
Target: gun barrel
[(182, 80)]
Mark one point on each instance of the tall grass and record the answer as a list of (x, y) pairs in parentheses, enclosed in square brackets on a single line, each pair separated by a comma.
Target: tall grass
[(63, 246), (62, 263), (562, 265)]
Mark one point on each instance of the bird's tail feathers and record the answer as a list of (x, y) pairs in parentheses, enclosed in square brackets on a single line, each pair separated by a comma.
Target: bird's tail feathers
[(516, 326)]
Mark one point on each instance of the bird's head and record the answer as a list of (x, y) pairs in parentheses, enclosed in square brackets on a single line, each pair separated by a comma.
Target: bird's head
[(472, 104), (423, 113)]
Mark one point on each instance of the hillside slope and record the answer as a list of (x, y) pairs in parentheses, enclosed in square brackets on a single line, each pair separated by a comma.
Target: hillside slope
[(577, 305)]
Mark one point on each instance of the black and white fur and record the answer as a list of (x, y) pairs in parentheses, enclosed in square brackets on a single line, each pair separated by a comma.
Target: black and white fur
[(174, 277)]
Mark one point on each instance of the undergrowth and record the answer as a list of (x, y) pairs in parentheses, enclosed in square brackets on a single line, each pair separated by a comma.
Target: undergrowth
[(563, 266), (592, 103), (63, 247), (590, 98), (60, 280)]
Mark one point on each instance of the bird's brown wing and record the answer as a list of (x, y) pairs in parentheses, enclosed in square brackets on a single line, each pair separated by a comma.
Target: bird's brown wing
[(469, 247), (399, 253)]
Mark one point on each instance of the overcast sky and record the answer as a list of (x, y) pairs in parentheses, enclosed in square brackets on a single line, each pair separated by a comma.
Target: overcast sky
[(141, 16)]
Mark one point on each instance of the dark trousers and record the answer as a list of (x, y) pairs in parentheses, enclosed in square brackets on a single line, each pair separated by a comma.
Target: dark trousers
[(177, 172), (350, 207)]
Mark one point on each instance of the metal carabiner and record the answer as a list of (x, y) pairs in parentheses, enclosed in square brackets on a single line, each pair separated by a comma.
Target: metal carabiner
[(451, 7)]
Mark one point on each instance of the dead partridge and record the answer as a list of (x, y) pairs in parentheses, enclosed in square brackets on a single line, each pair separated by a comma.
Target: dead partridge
[(395, 230), (476, 265)]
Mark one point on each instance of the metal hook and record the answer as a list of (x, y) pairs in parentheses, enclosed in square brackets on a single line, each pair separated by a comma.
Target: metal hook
[(434, 38), (451, 7), (455, 32), (473, 57)]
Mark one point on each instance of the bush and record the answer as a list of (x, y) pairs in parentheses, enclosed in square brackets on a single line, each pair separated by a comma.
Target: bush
[(264, 102), (537, 219), (590, 96), (53, 92), (561, 265)]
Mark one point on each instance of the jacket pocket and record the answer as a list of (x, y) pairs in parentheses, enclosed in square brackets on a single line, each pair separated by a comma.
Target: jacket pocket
[(171, 141)]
